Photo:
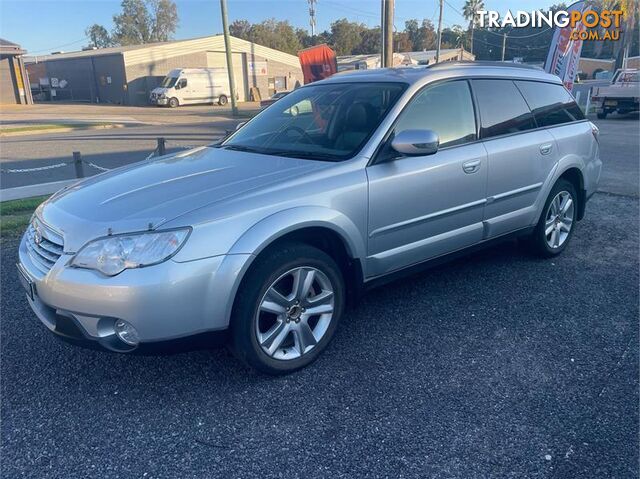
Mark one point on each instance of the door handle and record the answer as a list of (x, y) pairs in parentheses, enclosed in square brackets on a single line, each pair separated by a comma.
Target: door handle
[(471, 166), (546, 149)]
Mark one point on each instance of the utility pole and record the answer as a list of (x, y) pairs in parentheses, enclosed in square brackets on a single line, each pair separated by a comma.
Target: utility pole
[(312, 17), (439, 32), (227, 47), (504, 44), (387, 33)]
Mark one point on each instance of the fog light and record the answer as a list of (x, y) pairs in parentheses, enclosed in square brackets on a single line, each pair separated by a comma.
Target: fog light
[(126, 332)]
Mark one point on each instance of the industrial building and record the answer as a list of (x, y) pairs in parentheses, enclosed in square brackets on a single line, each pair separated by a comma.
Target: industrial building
[(13, 90), (126, 75)]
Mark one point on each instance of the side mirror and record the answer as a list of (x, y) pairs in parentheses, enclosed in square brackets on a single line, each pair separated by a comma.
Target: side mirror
[(416, 142), (240, 125)]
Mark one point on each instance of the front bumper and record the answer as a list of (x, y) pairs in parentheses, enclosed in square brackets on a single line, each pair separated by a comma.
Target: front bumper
[(158, 101), (165, 302)]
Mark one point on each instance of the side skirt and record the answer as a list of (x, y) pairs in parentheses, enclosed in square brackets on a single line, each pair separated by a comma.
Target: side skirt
[(439, 260)]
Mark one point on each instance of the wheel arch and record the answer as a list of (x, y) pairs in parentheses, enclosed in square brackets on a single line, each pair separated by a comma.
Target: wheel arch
[(324, 228), (574, 176)]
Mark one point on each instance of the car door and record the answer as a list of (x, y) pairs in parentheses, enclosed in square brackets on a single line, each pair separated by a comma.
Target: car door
[(520, 155), (421, 207)]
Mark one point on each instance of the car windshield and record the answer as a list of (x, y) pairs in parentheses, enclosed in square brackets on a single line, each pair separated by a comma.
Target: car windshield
[(168, 82), (324, 122)]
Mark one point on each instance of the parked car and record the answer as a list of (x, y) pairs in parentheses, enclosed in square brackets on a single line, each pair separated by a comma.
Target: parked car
[(622, 95), (273, 99), (192, 86), (262, 239)]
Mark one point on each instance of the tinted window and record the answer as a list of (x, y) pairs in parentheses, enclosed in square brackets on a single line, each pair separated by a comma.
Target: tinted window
[(502, 108), (446, 109), (551, 104)]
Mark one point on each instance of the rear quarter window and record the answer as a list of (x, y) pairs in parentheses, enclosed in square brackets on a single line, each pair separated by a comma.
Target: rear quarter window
[(503, 110), (551, 104)]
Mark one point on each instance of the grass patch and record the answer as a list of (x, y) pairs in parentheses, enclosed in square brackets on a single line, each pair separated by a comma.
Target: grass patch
[(15, 215)]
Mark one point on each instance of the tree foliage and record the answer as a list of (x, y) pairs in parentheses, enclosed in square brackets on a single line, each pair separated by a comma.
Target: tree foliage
[(271, 33), (98, 36), (140, 21)]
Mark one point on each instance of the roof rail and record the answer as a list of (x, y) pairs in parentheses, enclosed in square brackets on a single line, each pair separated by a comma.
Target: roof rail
[(483, 64)]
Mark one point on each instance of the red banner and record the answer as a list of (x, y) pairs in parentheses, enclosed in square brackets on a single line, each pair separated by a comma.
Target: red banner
[(317, 63)]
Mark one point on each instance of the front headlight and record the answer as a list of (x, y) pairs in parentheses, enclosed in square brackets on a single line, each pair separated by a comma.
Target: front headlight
[(114, 254)]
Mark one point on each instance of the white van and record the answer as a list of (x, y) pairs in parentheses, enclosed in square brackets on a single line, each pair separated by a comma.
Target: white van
[(190, 86)]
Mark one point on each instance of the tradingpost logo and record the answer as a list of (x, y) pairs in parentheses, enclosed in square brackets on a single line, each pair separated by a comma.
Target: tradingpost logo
[(586, 24)]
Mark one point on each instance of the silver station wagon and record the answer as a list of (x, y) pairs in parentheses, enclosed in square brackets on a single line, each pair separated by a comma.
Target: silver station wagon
[(260, 240)]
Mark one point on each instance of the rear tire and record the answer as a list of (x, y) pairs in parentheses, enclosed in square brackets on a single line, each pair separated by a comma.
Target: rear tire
[(602, 116), (273, 329), (557, 221), (223, 100), (173, 102)]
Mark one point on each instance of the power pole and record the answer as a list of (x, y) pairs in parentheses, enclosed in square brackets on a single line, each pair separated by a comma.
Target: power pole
[(227, 47), (504, 44), (387, 33), (312, 17), (439, 32)]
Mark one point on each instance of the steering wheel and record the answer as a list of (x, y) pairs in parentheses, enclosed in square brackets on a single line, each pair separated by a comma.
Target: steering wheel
[(299, 131)]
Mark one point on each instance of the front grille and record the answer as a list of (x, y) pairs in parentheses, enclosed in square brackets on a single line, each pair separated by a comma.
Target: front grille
[(44, 246)]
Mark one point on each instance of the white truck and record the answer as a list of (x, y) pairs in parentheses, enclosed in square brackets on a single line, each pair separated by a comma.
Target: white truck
[(622, 95), (191, 86)]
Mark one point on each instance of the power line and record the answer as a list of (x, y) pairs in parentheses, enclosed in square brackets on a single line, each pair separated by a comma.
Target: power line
[(59, 46)]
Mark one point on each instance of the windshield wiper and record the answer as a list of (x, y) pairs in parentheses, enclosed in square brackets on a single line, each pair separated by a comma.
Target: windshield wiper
[(248, 149), (306, 155)]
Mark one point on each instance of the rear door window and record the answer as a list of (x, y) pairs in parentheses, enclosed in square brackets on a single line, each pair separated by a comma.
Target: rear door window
[(551, 104), (503, 110)]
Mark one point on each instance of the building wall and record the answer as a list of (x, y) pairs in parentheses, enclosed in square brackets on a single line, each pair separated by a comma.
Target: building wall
[(145, 76), (7, 90)]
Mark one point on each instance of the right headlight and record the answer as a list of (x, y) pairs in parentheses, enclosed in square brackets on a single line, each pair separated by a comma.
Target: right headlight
[(114, 254)]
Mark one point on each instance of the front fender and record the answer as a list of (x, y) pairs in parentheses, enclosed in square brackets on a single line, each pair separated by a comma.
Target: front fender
[(269, 229), (266, 231)]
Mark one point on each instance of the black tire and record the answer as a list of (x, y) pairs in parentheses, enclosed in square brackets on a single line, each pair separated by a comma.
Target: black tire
[(223, 100), (266, 270), (538, 240), (173, 102), (602, 116)]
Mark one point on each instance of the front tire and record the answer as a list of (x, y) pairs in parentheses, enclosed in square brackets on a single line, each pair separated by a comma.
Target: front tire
[(602, 115), (287, 309), (557, 222), (173, 102)]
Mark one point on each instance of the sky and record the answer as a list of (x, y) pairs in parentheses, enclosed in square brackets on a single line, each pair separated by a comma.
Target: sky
[(43, 26)]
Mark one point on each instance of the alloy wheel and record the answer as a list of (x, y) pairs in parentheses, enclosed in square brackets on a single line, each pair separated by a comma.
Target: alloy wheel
[(294, 313), (559, 219)]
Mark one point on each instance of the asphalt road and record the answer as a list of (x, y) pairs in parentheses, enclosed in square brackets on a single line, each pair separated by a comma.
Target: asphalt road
[(107, 148)]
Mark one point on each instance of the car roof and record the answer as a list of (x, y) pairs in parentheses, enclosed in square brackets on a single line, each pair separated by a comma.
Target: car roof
[(425, 74)]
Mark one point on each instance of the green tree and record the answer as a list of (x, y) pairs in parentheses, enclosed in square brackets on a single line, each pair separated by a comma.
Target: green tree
[(346, 36), (145, 21), (469, 11), (279, 35), (99, 36)]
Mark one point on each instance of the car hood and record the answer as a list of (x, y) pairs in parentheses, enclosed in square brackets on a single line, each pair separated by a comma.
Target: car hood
[(148, 194)]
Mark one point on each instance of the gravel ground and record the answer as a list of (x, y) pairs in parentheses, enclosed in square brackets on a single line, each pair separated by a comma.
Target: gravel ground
[(497, 365)]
